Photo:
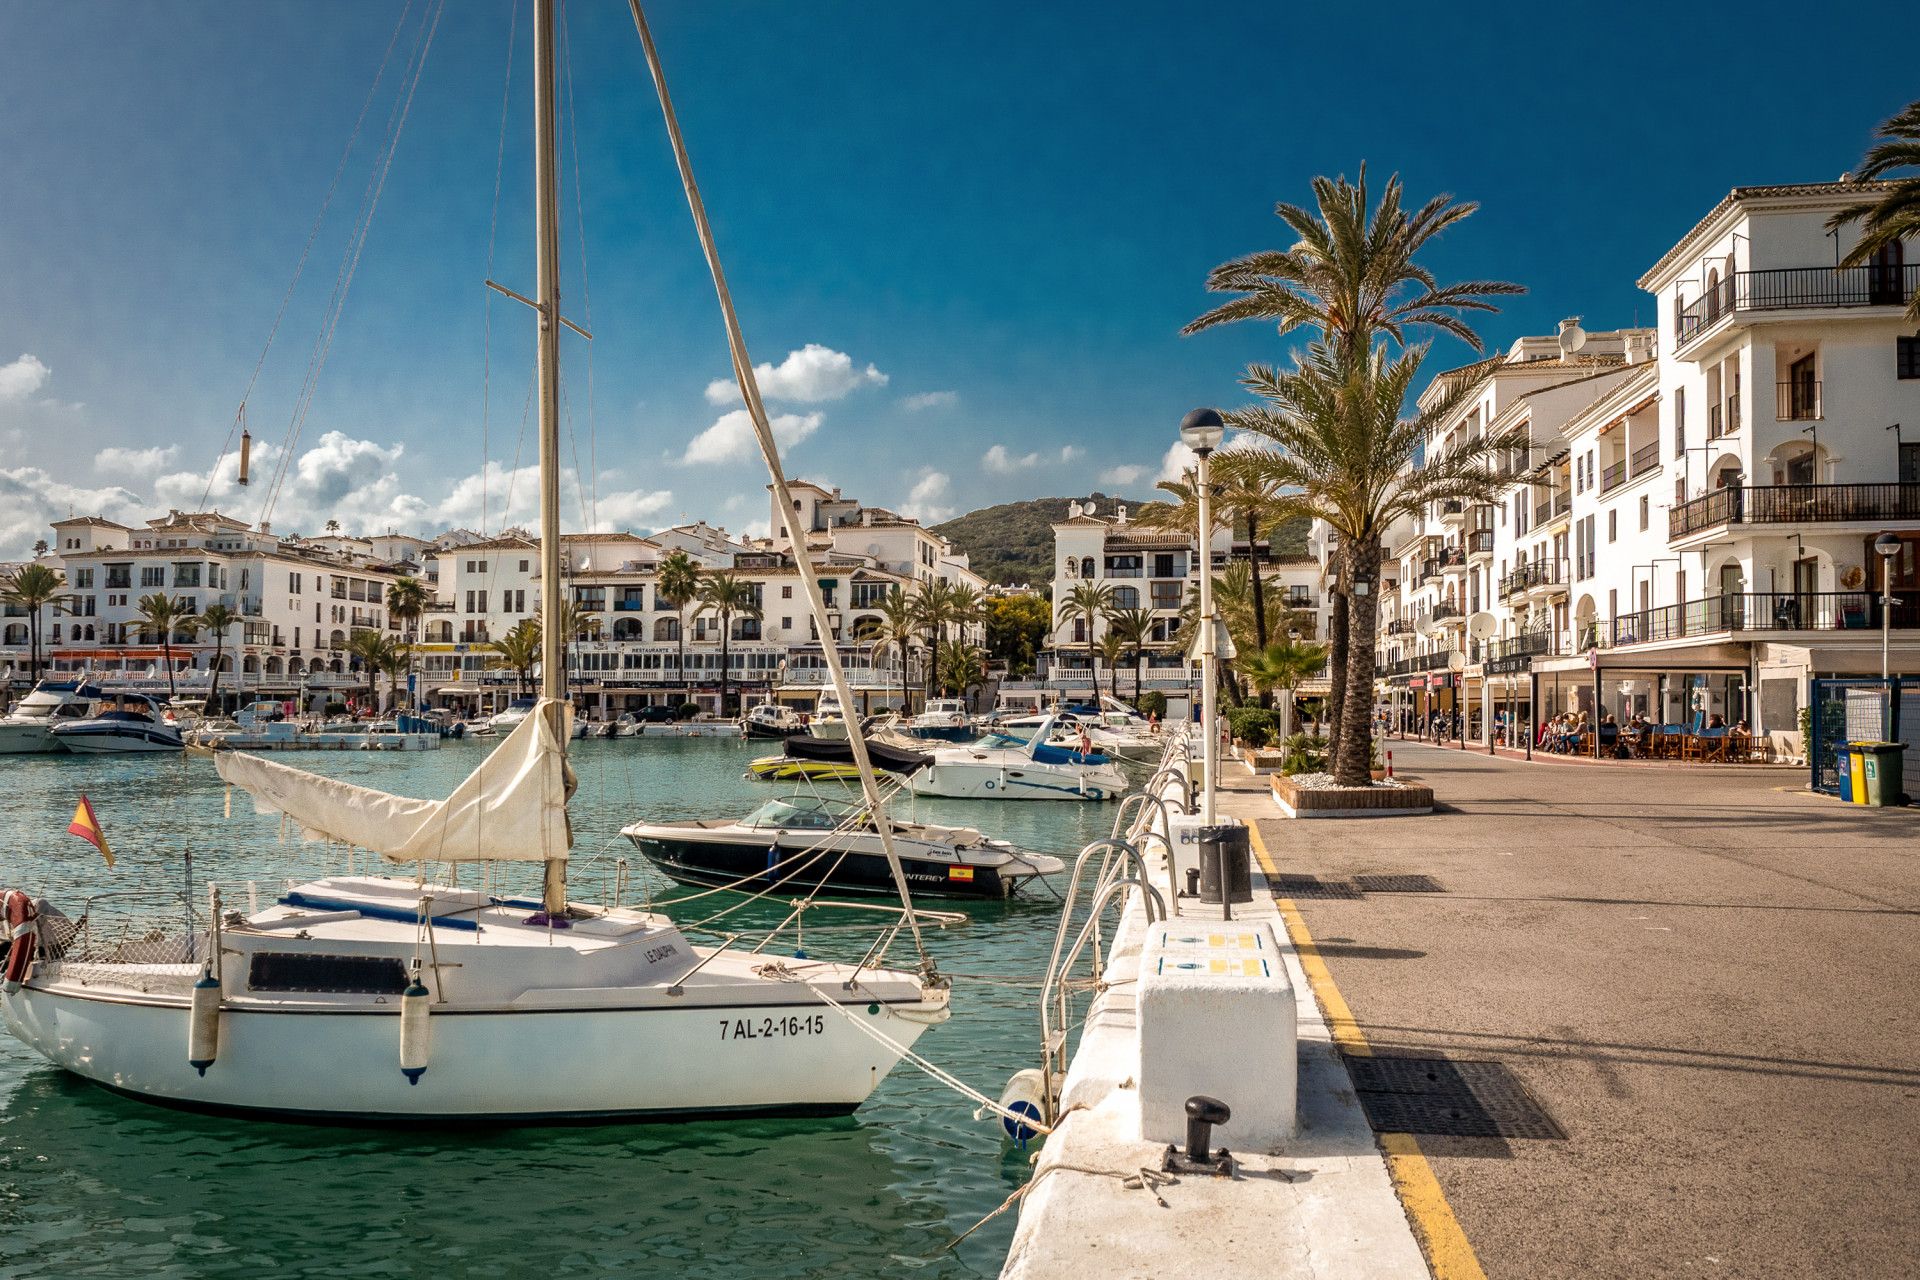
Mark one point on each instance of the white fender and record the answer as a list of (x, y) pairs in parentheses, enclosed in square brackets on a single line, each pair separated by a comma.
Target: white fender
[(416, 1033), (203, 1023)]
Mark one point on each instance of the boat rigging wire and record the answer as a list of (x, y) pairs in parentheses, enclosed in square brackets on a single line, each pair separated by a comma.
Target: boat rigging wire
[(313, 233), (350, 261), (749, 384)]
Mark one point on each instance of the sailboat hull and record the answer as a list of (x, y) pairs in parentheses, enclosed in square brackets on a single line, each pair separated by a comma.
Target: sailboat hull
[(522, 1066)]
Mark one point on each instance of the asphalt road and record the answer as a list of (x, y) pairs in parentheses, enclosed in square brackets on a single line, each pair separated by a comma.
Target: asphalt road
[(1708, 980)]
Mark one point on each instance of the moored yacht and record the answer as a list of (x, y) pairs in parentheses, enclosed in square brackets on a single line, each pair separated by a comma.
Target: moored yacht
[(506, 721), (29, 726), (827, 720), (944, 720), (819, 842), (122, 722), (770, 720), (1004, 768)]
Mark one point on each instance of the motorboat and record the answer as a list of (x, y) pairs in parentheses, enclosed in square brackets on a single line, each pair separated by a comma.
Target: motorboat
[(413, 998), (827, 720), (998, 767), (124, 722), (508, 719), (28, 727), (822, 842), (831, 760), (770, 720), (942, 720)]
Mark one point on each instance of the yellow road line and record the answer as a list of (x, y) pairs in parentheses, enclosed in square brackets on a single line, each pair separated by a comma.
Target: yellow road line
[(1449, 1254)]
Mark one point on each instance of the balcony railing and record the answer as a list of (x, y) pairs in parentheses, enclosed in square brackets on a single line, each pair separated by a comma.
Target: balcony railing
[(1399, 627), (1445, 612), (1417, 663), (1764, 611), (1556, 505), (1429, 570), (1480, 542), (1527, 644), (1796, 287), (1646, 458), (1612, 477), (1541, 573), (1794, 504), (1797, 401)]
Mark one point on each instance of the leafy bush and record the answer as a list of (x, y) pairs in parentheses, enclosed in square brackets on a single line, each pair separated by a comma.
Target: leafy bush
[(1251, 725), (1305, 753), (686, 711), (1153, 703)]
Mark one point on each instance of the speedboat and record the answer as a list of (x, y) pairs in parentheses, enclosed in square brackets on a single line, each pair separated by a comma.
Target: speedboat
[(831, 760), (827, 720), (508, 720), (1004, 768), (29, 726), (770, 720), (819, 842), (125, 722), (943, 720)]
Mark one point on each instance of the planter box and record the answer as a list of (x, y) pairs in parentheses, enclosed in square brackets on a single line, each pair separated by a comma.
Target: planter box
[(1261, 760), (1405, 800)]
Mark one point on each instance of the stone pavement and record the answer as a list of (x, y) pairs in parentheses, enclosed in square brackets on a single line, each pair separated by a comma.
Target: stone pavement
[(1707, 979)]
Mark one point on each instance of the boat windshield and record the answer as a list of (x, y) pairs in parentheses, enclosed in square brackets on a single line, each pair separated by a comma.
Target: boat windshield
[(997, 740), (813, 813), (31, 710)]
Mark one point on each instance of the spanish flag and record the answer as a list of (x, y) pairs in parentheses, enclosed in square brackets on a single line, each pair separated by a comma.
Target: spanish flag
[(87, 827)]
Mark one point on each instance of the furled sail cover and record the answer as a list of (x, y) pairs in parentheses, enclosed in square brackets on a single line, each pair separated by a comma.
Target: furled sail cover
[(513, 808)]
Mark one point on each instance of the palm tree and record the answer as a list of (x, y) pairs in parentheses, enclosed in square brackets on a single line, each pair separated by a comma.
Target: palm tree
[(677, 582), (899, 627), (32, 587), (1351, 276), (407, 600), (1091, 602), (218, 619), (1895, 215), (966, 668), (395, 662), (1112, 649), (933, 609), (724, 594), (373, 649), (1284, 665), (1134, 626), (162, 613), (1351, 273), (519, 649), (1347, 451)]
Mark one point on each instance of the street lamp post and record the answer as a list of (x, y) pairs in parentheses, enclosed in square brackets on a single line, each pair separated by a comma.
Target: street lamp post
[(1888, 547), (1201, 431)]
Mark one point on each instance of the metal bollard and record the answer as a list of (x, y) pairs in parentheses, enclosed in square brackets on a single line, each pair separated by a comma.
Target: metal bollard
[(1202, 1114)]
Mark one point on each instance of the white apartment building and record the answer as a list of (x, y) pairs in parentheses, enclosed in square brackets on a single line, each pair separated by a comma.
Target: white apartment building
[(1152, 569), (1690, 534), (298, 603)]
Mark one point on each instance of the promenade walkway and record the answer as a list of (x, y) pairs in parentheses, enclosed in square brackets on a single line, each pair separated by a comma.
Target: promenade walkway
[(1707, 979)]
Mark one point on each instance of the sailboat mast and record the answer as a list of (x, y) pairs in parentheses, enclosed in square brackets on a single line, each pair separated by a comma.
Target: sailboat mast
[(546, 222)]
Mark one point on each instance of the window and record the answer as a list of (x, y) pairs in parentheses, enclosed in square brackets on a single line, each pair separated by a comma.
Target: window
[(83, 578), (1166, 595), (1906, 357), (1126, 598), (523, 566), (786, 592), (1680, 422), (786, 624)]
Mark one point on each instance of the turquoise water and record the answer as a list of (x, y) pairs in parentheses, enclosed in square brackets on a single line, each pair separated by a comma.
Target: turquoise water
[(92, 1184)]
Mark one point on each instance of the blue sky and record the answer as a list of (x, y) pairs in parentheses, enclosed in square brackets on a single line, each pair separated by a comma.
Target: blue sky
[(977, 226)]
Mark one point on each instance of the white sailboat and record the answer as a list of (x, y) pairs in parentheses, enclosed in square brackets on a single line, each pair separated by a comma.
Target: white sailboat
[(394, 998)]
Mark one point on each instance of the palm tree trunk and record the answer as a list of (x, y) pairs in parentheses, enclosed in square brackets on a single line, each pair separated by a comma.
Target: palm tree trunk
[(166, 656), (1136, 677), (33, 654), (686, 689), (213, 686), (726, 673), (1337, 627), (1353, 765)]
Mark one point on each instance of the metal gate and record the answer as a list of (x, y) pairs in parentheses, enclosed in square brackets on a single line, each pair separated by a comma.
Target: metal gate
[(1862, 710)]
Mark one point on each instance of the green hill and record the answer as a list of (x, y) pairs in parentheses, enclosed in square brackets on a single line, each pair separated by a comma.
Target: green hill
[(1013, 542)]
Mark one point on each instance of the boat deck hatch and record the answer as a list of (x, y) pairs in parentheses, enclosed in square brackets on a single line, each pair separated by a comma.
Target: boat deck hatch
[(1448, 1098)]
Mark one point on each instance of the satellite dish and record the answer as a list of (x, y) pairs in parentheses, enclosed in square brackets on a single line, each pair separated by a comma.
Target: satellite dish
[(1424, 625), (1456, 661), (1481, 626), (1572, 336)]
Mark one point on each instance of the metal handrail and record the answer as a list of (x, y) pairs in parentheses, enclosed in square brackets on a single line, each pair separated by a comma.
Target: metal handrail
[(1049, 1048)]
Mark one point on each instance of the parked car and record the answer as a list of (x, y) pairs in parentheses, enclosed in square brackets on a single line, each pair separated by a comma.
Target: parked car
[(657, 714)]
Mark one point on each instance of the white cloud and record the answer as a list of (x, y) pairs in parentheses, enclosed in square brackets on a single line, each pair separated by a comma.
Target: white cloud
[(1000, 462), (1178, 459), (31, 500), (929, 501), (23, 377), (1125, 474), (732, 437), (757, 529), (930, 400), (1071, 452), (633, 509), (811, 374), (134, 464)]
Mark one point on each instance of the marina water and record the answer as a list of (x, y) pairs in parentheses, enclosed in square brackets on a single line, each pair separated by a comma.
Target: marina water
[(95, 1184)]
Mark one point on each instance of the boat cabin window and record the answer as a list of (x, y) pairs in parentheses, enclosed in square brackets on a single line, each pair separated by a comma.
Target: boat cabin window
[(810, 813), (352, 975)]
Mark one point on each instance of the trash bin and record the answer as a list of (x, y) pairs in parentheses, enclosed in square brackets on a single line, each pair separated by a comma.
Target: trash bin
[(1226, 864), (1881, 766)]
